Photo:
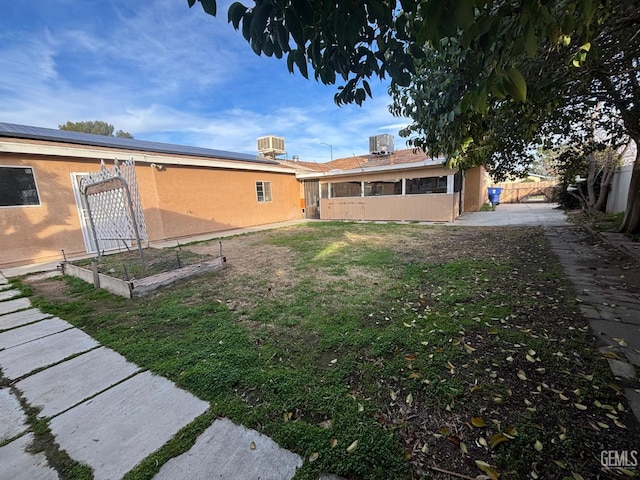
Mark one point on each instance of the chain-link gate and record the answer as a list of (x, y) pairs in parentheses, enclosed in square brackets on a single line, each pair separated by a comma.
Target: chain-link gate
[(114, 206)]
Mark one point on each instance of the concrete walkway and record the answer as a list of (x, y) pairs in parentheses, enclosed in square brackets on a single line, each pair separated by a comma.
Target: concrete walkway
[(105, 412)]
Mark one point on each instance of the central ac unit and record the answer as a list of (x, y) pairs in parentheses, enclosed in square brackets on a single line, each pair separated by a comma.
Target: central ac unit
[(271, 146), (381, 144)]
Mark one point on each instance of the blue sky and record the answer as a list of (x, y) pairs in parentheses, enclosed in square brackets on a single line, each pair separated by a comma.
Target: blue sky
[(168, 73)]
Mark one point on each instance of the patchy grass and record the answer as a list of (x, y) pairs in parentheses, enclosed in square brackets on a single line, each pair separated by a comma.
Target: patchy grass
[(602, 222), (379, 350), (128, 265)]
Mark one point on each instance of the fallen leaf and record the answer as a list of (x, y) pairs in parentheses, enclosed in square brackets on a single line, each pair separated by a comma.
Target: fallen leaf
[(352, 448), (410, 357), (478, 422), (621, 342), (538, 445), (333, 442), (530, 358), (579, 406), (522, 375), (488, 469), (468, 348), (497, 439), (577, 476), (425, 449), (409, 399), (393, 395), (253, 445), (483, 441), (463, 448), (314, 456)]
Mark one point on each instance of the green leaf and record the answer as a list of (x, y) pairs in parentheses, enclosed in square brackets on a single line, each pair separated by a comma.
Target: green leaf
[(464, 13), (530, 41), (209, 6), (515, 84), (235, 13)]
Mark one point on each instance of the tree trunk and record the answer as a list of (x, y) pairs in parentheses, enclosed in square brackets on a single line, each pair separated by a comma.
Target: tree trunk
[(631, 222)]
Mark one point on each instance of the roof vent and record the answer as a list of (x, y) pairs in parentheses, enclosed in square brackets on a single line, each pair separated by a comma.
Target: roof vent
[(271, 146), (381, 144)]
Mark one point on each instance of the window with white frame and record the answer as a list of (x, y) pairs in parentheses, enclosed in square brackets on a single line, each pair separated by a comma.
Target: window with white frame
[(263, 191), (18, 187), (416, 186)]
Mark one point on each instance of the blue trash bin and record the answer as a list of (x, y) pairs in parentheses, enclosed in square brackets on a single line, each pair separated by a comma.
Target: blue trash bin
[(494, 195)]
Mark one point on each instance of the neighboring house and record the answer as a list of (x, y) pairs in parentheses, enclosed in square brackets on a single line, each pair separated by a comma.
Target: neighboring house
[(186, 191), (403, 185)]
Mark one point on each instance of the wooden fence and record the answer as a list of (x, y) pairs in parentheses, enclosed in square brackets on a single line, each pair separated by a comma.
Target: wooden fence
[(519, 192)]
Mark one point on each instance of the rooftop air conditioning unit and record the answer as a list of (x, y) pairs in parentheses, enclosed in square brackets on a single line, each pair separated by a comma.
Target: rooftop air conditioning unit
[(381, 144), (271, 146)]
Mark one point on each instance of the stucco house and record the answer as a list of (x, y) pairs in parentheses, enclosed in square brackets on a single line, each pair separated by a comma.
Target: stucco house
[(402, 185), (186, 191)]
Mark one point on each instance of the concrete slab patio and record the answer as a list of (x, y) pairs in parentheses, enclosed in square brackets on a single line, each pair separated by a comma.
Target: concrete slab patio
[(119, 428), (17, 464), (62, 386), (229, 451)]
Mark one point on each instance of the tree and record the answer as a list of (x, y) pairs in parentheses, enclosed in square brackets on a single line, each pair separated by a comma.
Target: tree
[(97, 127), (482, 80)]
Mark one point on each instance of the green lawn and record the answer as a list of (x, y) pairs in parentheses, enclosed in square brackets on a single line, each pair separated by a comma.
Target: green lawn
[(378, 351)]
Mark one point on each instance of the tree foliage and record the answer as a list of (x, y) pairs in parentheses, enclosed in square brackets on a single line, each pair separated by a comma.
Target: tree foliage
[(483, 81), (97, 127)]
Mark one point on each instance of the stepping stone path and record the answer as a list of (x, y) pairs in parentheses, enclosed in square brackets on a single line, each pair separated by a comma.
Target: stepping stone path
[(106, 412)]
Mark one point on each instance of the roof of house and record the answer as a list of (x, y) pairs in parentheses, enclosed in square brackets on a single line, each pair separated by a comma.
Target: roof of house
[(406, 158), (399, 157), (90, 139)]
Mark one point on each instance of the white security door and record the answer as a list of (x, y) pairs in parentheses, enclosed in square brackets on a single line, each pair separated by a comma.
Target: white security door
[(85, 223)]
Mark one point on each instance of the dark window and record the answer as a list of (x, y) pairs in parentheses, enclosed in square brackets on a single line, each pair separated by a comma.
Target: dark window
[(263, 191), (387, 187), (345, 189), (426, 185), (324, 190), (18, 187)]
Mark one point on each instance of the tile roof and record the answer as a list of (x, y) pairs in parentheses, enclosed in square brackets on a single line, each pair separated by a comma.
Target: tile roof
[(65, 136), (399, 157)]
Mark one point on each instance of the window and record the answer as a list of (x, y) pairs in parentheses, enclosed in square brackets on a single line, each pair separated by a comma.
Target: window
[(426, 185), (18, 187), (346, 189), (386, 187), (324, 190), (263, 191)]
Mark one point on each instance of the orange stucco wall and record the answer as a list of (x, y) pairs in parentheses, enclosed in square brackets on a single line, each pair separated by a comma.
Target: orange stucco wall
[(475, 193), (178, 201)]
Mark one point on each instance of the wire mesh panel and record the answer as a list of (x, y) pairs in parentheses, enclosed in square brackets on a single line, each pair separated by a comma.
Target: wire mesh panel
[(113, 200)]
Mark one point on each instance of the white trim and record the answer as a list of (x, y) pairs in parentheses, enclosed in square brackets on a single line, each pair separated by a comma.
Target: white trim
[(150, 157), (450, 184), (439, 162)]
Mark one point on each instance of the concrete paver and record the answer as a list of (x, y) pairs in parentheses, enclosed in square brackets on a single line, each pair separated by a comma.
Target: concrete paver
[(13, 421), (15, 319), (28, 333), (9, 306), (22, 359), (17, 464), (62, 386), (119, 428), (9, 294), (225, 451)]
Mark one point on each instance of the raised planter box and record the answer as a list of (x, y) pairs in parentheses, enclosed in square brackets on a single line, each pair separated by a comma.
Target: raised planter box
[(142, 286)]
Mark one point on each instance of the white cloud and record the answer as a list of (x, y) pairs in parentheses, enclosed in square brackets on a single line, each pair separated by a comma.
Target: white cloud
[(165, 72)]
